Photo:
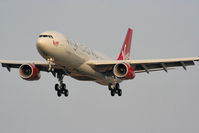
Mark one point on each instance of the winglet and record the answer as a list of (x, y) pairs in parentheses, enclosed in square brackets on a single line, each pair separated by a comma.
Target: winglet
[(125, 52)]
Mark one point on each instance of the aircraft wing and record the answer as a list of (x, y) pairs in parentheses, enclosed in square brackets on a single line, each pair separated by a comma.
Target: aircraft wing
[(144, 65), (41, 65)]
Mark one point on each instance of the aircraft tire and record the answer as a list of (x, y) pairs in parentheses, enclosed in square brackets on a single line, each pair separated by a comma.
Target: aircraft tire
[(66, 92), (63, 86), (59, 93), (119, 92), (57, 87), (113, 92)]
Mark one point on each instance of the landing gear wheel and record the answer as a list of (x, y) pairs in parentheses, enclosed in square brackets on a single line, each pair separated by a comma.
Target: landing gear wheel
[(66, 93), (113, 92), (63, 86), (115, 89), (119, 92), (59, 93), (57, 87)]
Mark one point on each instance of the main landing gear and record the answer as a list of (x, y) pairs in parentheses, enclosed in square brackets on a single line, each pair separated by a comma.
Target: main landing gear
[(61, 87), (115, 89)]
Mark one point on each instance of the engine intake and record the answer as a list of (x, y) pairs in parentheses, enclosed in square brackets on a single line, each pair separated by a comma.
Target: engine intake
[(124, 71), (29, 72)]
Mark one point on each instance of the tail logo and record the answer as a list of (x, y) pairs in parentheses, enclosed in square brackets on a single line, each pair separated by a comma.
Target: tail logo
[(125, 52)]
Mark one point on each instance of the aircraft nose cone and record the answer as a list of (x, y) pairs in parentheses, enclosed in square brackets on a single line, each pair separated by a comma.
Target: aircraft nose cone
[(41, 44)]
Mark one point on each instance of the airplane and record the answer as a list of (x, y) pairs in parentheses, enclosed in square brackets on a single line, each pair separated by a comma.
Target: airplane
[(67, 58)]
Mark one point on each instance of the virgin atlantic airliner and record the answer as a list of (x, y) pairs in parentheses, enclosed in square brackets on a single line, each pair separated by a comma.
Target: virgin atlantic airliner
[(67, 58)]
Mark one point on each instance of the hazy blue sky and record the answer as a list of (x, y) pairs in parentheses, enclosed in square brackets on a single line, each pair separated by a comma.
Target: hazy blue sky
[(151, 103)]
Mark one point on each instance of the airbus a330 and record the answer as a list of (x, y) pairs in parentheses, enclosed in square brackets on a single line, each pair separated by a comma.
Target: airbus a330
[(67, 58)]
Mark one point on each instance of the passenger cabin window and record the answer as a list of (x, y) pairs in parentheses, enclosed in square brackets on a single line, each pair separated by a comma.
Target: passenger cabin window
[(49, 36)]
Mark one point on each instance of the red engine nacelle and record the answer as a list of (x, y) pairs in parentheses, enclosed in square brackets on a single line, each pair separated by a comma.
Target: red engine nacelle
[(29, 72), (124, 71)]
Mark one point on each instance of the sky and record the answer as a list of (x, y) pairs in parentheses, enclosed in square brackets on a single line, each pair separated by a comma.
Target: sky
[(151, 103)]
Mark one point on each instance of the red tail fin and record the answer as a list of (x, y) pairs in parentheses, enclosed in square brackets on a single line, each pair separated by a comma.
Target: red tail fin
[(125, 52)]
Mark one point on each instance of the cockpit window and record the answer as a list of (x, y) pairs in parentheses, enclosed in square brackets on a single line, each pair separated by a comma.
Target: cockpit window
[(49, 36)]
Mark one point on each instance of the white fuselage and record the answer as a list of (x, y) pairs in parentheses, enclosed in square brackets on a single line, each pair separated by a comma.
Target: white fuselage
[(72, 57)]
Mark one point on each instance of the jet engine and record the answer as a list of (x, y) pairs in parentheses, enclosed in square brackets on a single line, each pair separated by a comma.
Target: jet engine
[(29, 72), (124, 71)]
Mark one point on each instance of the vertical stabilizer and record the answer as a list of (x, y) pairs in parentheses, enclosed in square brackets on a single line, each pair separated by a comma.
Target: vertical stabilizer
[(126, 48)]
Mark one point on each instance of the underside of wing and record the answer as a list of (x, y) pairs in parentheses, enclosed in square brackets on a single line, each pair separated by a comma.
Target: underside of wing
[(41, 65), (162, 64), (144, 65)]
